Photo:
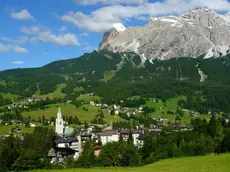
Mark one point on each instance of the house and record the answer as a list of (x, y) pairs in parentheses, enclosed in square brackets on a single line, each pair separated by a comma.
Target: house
[(156, 129), (185, 110), (16, 129), (69, 101), (192, 113), (108, 136), (140, 140), (32, 125), (52, 156), (67, 147), (97, 150), (135, 134), (116, 112)]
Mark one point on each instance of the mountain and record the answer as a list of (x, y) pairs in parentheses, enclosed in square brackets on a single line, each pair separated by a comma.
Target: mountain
[(118, 76), (199, 32)]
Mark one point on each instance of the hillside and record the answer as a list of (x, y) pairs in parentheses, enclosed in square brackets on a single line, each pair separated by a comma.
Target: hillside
[(211, 163), (116, 76)]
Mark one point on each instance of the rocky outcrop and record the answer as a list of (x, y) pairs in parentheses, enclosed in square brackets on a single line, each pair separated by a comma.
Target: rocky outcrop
[(198, 32)]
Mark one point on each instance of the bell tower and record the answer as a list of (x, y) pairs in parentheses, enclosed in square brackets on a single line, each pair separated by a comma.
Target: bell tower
[(59, 128)]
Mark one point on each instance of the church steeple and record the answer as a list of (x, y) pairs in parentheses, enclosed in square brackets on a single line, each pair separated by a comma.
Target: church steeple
[(59, 128), (59, 114)]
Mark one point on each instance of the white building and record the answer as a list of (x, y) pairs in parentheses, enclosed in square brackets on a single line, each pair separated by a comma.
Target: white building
[(59, 128), (109, 136), (135, 134), (92, 103), (67, 147)]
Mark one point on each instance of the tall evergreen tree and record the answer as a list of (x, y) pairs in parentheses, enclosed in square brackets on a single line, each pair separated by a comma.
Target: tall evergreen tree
[(130, 138), (87, 158)]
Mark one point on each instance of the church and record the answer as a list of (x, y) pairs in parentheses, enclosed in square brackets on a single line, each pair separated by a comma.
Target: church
[(60, 128)]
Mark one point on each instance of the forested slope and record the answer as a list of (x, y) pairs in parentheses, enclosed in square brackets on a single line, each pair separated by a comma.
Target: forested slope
[(117, 76)]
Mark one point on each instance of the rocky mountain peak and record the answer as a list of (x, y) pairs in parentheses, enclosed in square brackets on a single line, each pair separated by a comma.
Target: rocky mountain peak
[(197, 32)]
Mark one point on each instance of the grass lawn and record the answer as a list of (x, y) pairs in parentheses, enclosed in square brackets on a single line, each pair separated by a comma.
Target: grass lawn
[(108, 75), (78, 89), (171, 105), (86, 98), (56, 94), (9, 96), (211, 163), (5, 129), (70, 110)]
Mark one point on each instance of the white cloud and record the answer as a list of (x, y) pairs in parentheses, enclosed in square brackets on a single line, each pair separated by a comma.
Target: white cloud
[(63, 29), (4, 48), (29, 31), (17, 62), (46, 36), (10, 48), (39, 35), (20, 40), (110, 2), (84, 34), (22, 15), (102, 19), (67, 39), (18, 49)]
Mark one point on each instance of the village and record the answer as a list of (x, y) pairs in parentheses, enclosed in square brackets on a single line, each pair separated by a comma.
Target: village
[(69, 142), (71, 145)]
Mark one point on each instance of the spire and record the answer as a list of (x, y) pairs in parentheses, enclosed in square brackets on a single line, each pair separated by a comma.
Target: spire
[(59, 114)]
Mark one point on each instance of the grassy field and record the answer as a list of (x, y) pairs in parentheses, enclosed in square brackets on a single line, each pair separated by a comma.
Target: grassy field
[(87, 98), (56, 94), (108, 75), (78, 89), (3, 83), (70, 110), (5, 129), (171, 105), (211, 163), (9, 96)]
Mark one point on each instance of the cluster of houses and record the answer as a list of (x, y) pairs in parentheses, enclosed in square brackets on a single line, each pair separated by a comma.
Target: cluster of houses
[(32, 99), (24, 102), (72, 146), (16, 106), (118, 109)]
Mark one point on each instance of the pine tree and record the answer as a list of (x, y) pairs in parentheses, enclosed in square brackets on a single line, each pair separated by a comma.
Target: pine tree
[(130, 139), (87, 157), (121, 138)]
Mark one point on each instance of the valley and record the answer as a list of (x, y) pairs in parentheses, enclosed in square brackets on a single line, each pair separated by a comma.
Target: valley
[(154, 96)]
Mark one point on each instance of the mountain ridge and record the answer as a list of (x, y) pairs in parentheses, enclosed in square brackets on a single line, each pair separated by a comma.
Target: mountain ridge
[(197, 32)]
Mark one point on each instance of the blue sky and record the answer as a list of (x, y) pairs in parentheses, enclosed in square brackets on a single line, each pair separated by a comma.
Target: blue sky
[(36, 32)]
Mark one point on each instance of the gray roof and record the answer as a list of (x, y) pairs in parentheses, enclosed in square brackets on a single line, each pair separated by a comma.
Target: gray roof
[(65, 140)]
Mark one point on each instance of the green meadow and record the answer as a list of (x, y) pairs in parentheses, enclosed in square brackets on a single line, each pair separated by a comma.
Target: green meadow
[(171, 105), (211, 163), (6, 129), (55, 94), (70, 110)]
